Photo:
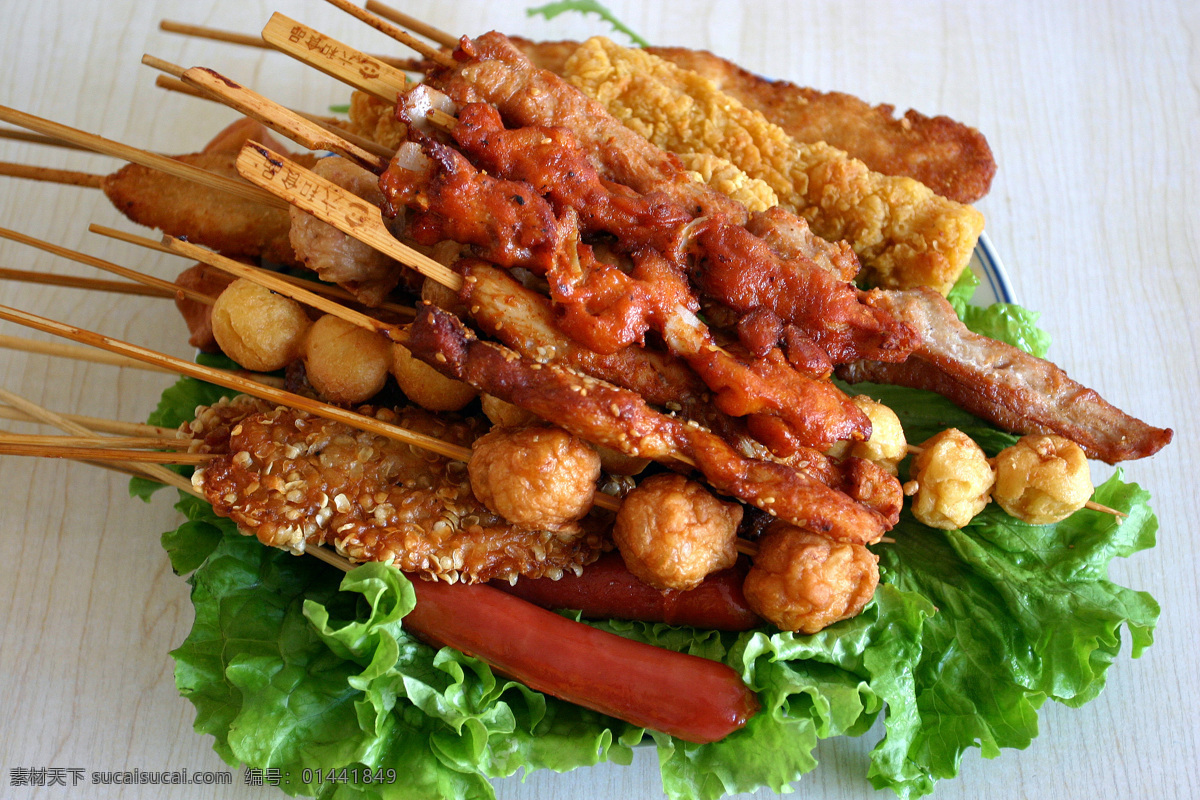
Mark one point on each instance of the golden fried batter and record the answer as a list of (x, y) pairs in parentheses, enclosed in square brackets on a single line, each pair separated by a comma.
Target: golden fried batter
[(294, 480), (904, 234)]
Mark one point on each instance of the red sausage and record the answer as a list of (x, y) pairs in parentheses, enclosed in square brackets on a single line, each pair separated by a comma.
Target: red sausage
[(607, 590), (693, 698)]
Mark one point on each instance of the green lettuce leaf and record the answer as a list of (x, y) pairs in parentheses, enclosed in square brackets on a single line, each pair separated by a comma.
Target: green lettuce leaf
[(1007, 322)]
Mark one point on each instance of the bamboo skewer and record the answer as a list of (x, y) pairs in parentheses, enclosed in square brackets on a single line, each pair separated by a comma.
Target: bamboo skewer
[(66, 177), (97, 424), (61, 350), (76, 282), (233, 381), (108, 266), (147, 159), (284, 121), (323, 289), (154, 472), (8, 448), (37, 138), (231, 37), (412, 23), (336, 206), (128, 442), (388, 29), (365, 73), (328, 123)]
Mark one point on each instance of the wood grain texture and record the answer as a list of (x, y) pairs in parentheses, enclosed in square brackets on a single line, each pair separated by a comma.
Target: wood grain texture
[(1093, 111)]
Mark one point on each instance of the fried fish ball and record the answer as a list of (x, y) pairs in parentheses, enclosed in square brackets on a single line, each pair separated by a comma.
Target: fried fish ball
[(886, 445), (427, 387), (346, 364), (541, 477), (257, 328), (952, 479), (1042, 479), (672, 532), (804, 582)]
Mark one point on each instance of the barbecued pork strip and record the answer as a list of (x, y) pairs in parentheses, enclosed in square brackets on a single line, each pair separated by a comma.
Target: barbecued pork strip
[(1004, 385), (607, 415), (552, 160), (491, 69), (601, 306)]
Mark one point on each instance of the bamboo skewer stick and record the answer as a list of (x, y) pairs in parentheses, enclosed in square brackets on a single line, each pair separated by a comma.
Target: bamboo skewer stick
[(147, 159), (88, 180), (37, 138), (323, 289), (60, 350), (97, 424), (283, 121), (102, 454), (336, 206), (233, 381), (231, 37), (127, 442), (412, 23), (76, 282), (388, 29), (152, 471), (365, 73), (328, 123), (107, 266)]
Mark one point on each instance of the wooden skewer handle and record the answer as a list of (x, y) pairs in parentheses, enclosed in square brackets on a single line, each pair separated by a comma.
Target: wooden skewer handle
[(50, 175), (363, 72), (336, 206)]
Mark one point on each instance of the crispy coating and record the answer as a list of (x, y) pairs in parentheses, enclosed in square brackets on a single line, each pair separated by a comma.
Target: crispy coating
[(719, 173), (952, 480), (672, 532), (374, 119), (1042, 479), (803, 582), (537, 477), (335, 256), (949, 157), (257, 328), (231, 225), (886, 446), (294, 480), (903, 232)]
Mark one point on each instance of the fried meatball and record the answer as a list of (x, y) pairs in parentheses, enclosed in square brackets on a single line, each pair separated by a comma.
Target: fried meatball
[(672, 532), (346, 364), (1042, 479), (804, 582), (257, 328), (427, 387), (951, 479), (540, 477)]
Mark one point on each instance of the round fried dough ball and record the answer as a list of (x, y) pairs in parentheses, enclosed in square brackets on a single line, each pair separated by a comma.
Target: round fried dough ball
[(427, 387), (804, 582), (346, 364), (952, 479), (504, 414), (257, 328), (538, 477), (886, 446), (1042, 479), (672, 532)]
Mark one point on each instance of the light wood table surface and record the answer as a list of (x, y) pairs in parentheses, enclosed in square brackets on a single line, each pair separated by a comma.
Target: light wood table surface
[(1092, 111)]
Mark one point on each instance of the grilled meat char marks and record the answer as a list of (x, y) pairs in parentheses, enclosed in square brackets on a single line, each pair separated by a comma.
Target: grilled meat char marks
[(607, 415)]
